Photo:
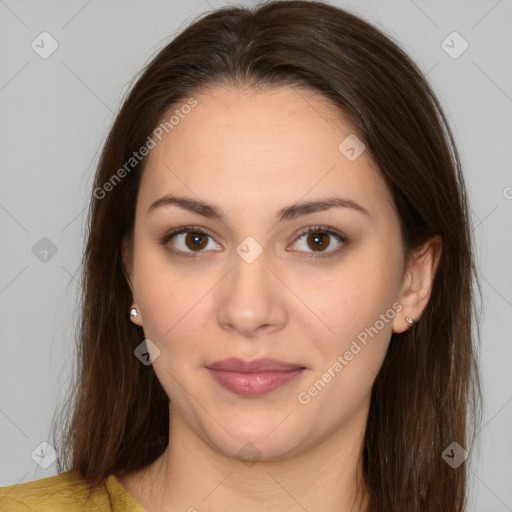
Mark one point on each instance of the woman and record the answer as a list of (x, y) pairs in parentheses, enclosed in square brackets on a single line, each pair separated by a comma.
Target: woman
[(277, 302)]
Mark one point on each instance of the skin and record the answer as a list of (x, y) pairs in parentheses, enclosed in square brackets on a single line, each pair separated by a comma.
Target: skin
[(251, 153)]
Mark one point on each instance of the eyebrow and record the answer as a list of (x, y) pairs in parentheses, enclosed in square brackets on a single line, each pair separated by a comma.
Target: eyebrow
[(288, 213)]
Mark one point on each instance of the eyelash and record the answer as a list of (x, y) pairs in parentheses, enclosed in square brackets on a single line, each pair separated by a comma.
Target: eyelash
[(312, 229)]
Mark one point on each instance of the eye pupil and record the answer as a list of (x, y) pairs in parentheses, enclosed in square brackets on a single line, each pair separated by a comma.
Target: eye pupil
[(319, 241), (195, 240)]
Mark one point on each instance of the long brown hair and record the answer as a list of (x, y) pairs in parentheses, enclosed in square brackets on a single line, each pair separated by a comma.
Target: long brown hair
[(116, 419)]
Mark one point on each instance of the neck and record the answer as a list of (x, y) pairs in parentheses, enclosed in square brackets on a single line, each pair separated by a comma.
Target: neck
[(193, 476)]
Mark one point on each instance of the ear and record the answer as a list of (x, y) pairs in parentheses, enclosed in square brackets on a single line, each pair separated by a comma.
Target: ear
[(127, 259), (418, 280)]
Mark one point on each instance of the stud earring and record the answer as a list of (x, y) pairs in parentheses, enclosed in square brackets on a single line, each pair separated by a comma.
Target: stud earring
[(409, 320), (134, 312)]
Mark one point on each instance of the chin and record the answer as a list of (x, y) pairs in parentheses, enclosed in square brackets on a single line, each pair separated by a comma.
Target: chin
[(262, 442)]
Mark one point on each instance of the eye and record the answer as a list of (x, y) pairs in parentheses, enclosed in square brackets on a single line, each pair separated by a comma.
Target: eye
[(321, 240), (188, 240)]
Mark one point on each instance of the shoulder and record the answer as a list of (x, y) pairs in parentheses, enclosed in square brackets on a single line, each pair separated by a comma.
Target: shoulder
[(65, 492)]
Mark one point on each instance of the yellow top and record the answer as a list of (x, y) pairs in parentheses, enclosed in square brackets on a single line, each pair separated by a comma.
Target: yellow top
[(67, 492)]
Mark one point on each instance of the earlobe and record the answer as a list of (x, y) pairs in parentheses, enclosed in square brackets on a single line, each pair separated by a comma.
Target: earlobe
[(418, 282), (135, 315), (409, 321)]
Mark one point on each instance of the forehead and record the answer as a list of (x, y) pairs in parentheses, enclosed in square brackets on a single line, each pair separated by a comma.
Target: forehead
[(260, 121), (260, 143)]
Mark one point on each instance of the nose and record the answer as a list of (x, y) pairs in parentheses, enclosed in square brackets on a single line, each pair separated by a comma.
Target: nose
[(253, 299)]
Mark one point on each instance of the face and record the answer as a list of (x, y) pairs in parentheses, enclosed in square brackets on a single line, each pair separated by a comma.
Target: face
[(241, 277)]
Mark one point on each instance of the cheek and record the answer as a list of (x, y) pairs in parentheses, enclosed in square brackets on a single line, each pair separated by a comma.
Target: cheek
[(356, 306), (359, 311), (175, 306), (351, 297)]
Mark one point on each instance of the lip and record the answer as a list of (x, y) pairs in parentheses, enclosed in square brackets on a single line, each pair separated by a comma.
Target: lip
[(253, 378), (257, 365)]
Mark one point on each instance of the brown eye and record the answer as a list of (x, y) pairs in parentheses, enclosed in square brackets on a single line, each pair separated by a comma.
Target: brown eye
[(320, 240), (189, 242), (196, 240)]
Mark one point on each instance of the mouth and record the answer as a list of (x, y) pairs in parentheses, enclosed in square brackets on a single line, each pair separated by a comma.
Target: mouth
[(253, 378)]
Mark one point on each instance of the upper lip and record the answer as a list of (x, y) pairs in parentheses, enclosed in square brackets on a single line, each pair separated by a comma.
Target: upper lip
[(257, 365)]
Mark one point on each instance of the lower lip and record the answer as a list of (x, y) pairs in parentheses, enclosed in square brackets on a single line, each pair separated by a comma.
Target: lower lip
[(253, 384)]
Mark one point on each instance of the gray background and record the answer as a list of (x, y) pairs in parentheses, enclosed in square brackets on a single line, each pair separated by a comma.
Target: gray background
[(55, 113)]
